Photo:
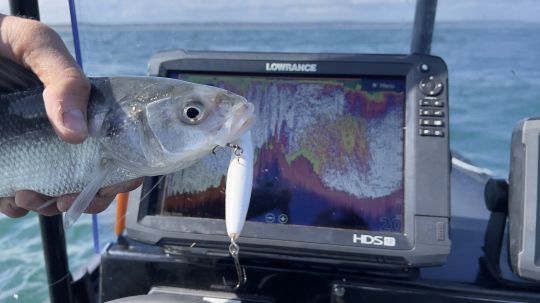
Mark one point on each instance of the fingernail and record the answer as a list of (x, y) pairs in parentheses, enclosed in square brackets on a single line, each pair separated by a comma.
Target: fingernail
[(74, 120)]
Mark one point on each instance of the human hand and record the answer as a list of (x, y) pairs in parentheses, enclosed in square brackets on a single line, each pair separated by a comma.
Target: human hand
[(26, 200), (40, 49)]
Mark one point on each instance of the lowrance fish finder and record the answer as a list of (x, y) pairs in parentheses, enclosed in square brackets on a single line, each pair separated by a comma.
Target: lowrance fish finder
[(352, 160)]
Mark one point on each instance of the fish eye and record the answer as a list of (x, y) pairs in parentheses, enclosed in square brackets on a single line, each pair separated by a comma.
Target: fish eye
[(193, 112)]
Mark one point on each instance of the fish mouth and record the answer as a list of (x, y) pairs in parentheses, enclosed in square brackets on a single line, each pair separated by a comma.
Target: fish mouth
[(239, 121), (244, 116)]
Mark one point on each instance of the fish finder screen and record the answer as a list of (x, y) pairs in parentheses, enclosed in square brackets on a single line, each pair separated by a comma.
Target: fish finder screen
[(329, 152)]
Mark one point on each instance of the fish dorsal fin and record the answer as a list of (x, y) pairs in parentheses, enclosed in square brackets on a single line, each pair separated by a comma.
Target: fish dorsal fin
[(14, 77)]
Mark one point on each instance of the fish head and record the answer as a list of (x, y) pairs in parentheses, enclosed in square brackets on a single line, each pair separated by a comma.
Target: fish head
[(193, 121), (177, 123)]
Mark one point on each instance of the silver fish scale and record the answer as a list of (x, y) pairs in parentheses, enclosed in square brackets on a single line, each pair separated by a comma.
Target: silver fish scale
[(45, 165), (32, 157)]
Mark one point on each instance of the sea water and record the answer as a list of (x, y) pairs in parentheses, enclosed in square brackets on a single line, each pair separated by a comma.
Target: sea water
[(494, 78)]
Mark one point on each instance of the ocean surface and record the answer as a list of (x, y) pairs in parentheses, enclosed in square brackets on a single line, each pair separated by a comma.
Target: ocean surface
[(494, 82)]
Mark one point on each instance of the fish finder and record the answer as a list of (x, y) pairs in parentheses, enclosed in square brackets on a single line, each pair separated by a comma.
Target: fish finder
[(352, 160), (524, 194)]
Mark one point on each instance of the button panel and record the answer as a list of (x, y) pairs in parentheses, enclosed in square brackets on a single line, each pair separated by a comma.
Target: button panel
[(431, 112)]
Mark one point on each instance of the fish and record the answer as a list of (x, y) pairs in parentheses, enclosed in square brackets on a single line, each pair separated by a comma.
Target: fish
[(138, 126)]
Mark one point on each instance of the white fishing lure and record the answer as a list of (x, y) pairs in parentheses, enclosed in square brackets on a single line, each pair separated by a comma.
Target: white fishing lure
[(238, 186)]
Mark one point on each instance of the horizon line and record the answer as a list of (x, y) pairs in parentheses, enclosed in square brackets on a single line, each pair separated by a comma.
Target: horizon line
[(336, 22)]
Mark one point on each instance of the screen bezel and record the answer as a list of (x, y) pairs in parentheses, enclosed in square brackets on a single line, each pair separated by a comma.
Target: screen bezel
[(414, 244)]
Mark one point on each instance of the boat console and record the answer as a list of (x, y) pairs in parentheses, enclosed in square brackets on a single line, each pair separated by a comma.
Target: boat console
[(352, 162), (351, 196)]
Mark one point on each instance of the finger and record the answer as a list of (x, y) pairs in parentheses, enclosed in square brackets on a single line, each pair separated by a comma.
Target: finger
[(32, 201), (97, 205), (8, 208), (67, 89), (120, 188), (66, 103), (102, 200), (64, 202)]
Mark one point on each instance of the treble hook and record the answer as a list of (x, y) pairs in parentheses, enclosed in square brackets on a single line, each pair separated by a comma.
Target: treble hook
[(238, 151), (234, 249)]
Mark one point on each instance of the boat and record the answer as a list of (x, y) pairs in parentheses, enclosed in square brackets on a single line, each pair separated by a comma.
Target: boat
[(460, 253)]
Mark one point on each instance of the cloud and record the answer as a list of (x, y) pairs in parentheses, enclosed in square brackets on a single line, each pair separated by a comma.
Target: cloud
[(177, 11), (497, 10), (51, 11), (137, 11)]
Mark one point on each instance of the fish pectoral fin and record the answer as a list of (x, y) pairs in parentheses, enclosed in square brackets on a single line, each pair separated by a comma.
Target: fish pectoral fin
[(47, 203), (82, 201)]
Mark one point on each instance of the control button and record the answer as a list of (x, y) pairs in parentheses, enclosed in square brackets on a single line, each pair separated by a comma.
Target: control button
[(426, 112), (425, 122), (438, 113), (270, 217), (438, 133), (438, 122), (431, 86), (426, 132), (283, 218), (424, 68), (424, 102), (431, 112), (438, 103), (431, 122), (431, 132)]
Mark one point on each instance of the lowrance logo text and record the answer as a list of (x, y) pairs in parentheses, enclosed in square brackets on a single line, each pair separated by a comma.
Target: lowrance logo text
[(374, 240), (291, 67)]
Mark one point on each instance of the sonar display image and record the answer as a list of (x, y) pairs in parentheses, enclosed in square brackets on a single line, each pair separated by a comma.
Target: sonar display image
[(328, 153)]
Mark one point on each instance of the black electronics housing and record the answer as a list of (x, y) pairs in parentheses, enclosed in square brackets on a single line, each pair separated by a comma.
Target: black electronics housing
[(411, 230)]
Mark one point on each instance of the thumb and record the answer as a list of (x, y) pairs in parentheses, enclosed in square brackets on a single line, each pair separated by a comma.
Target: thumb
[(39, 48), (66, 100)]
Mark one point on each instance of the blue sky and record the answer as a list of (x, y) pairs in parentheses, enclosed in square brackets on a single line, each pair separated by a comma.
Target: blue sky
[(137, 11)]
